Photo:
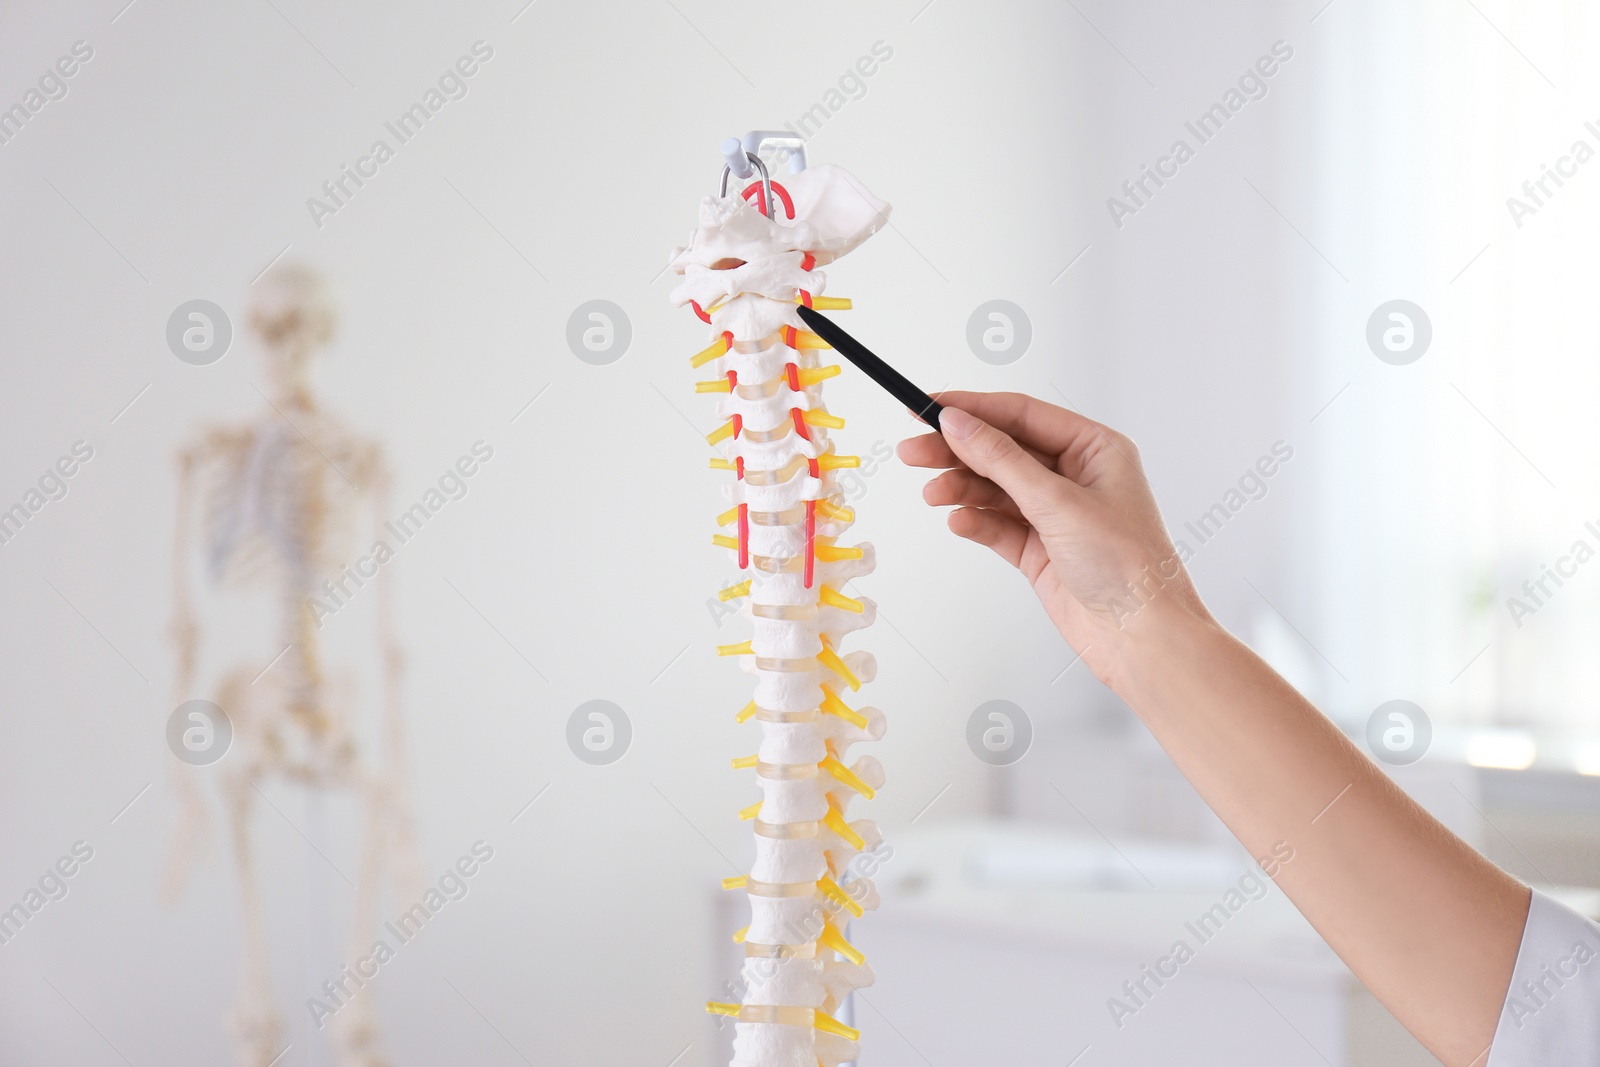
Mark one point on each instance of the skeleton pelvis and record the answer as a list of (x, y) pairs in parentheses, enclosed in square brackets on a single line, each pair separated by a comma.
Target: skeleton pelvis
[(289, 725)]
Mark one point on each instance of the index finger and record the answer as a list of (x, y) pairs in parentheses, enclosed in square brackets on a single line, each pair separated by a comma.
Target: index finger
[(932, 450), (1028, 419), (1034, 424)]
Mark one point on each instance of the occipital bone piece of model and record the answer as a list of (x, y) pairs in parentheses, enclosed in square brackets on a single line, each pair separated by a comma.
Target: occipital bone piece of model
[(744, 273)]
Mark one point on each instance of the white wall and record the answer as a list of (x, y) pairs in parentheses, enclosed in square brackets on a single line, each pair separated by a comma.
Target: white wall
[(191, 141), (179, 165)]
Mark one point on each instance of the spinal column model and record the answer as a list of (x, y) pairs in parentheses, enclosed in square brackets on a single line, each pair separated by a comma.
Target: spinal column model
[(280, 497), (744, 273)]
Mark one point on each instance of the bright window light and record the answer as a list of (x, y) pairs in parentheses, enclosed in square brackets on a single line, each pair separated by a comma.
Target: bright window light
[(1586, 759)]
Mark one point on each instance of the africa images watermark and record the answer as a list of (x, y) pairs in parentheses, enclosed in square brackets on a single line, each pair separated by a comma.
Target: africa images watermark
[(451, 886), (52, 887), (452, 485), (1137, 992), (852, 85), (1566, 166), (1532, 995), (1536, 591), (52, 487), (52, 86), (1253, 485), (337, 192), (1252, 85)]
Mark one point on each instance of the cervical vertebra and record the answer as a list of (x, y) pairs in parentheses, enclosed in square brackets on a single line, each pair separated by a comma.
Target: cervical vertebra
[(744, 273)]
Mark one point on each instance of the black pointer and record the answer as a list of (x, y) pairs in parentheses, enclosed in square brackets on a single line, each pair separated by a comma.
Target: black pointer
[(924, 406)]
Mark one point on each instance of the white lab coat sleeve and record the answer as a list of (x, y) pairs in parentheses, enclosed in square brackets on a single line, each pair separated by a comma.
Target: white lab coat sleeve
[(1552, 1010)]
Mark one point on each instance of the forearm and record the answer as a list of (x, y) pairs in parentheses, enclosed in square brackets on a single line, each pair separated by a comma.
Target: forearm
[(1427, 923)]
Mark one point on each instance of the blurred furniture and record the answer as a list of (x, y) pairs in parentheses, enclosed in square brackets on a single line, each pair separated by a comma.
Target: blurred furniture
[(1003, 942)]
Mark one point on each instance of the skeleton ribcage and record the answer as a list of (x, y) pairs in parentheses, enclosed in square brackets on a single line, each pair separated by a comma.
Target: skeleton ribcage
[(274, 510)]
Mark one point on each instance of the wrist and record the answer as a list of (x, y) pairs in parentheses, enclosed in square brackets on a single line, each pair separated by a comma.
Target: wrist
[(1155, 640)]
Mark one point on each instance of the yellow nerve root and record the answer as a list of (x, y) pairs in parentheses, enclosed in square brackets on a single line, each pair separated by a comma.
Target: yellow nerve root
[(835, 822), (831, 890), (830, 659), (848, 777), (741, 649), (834, 706), (836, 512), (806, 339), (735, 591), (834, 599), (813, 375), (717, 348), (833, 939)]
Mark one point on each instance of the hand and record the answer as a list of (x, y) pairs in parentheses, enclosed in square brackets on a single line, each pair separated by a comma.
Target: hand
[(1065, 501)]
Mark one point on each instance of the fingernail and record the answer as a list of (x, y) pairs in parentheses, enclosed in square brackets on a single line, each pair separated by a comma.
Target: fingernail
[(957, 423)]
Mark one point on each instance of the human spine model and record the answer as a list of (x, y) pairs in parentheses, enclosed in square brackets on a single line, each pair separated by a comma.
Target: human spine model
[(744, 273)]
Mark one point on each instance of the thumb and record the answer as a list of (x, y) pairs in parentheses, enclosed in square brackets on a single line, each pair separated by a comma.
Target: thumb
[(997, 457)]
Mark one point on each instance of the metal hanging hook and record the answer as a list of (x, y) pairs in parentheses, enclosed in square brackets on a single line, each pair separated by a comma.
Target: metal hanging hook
[(768, 205)]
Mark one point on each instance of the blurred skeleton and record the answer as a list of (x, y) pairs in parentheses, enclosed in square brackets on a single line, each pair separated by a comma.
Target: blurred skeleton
[(279, 500)]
